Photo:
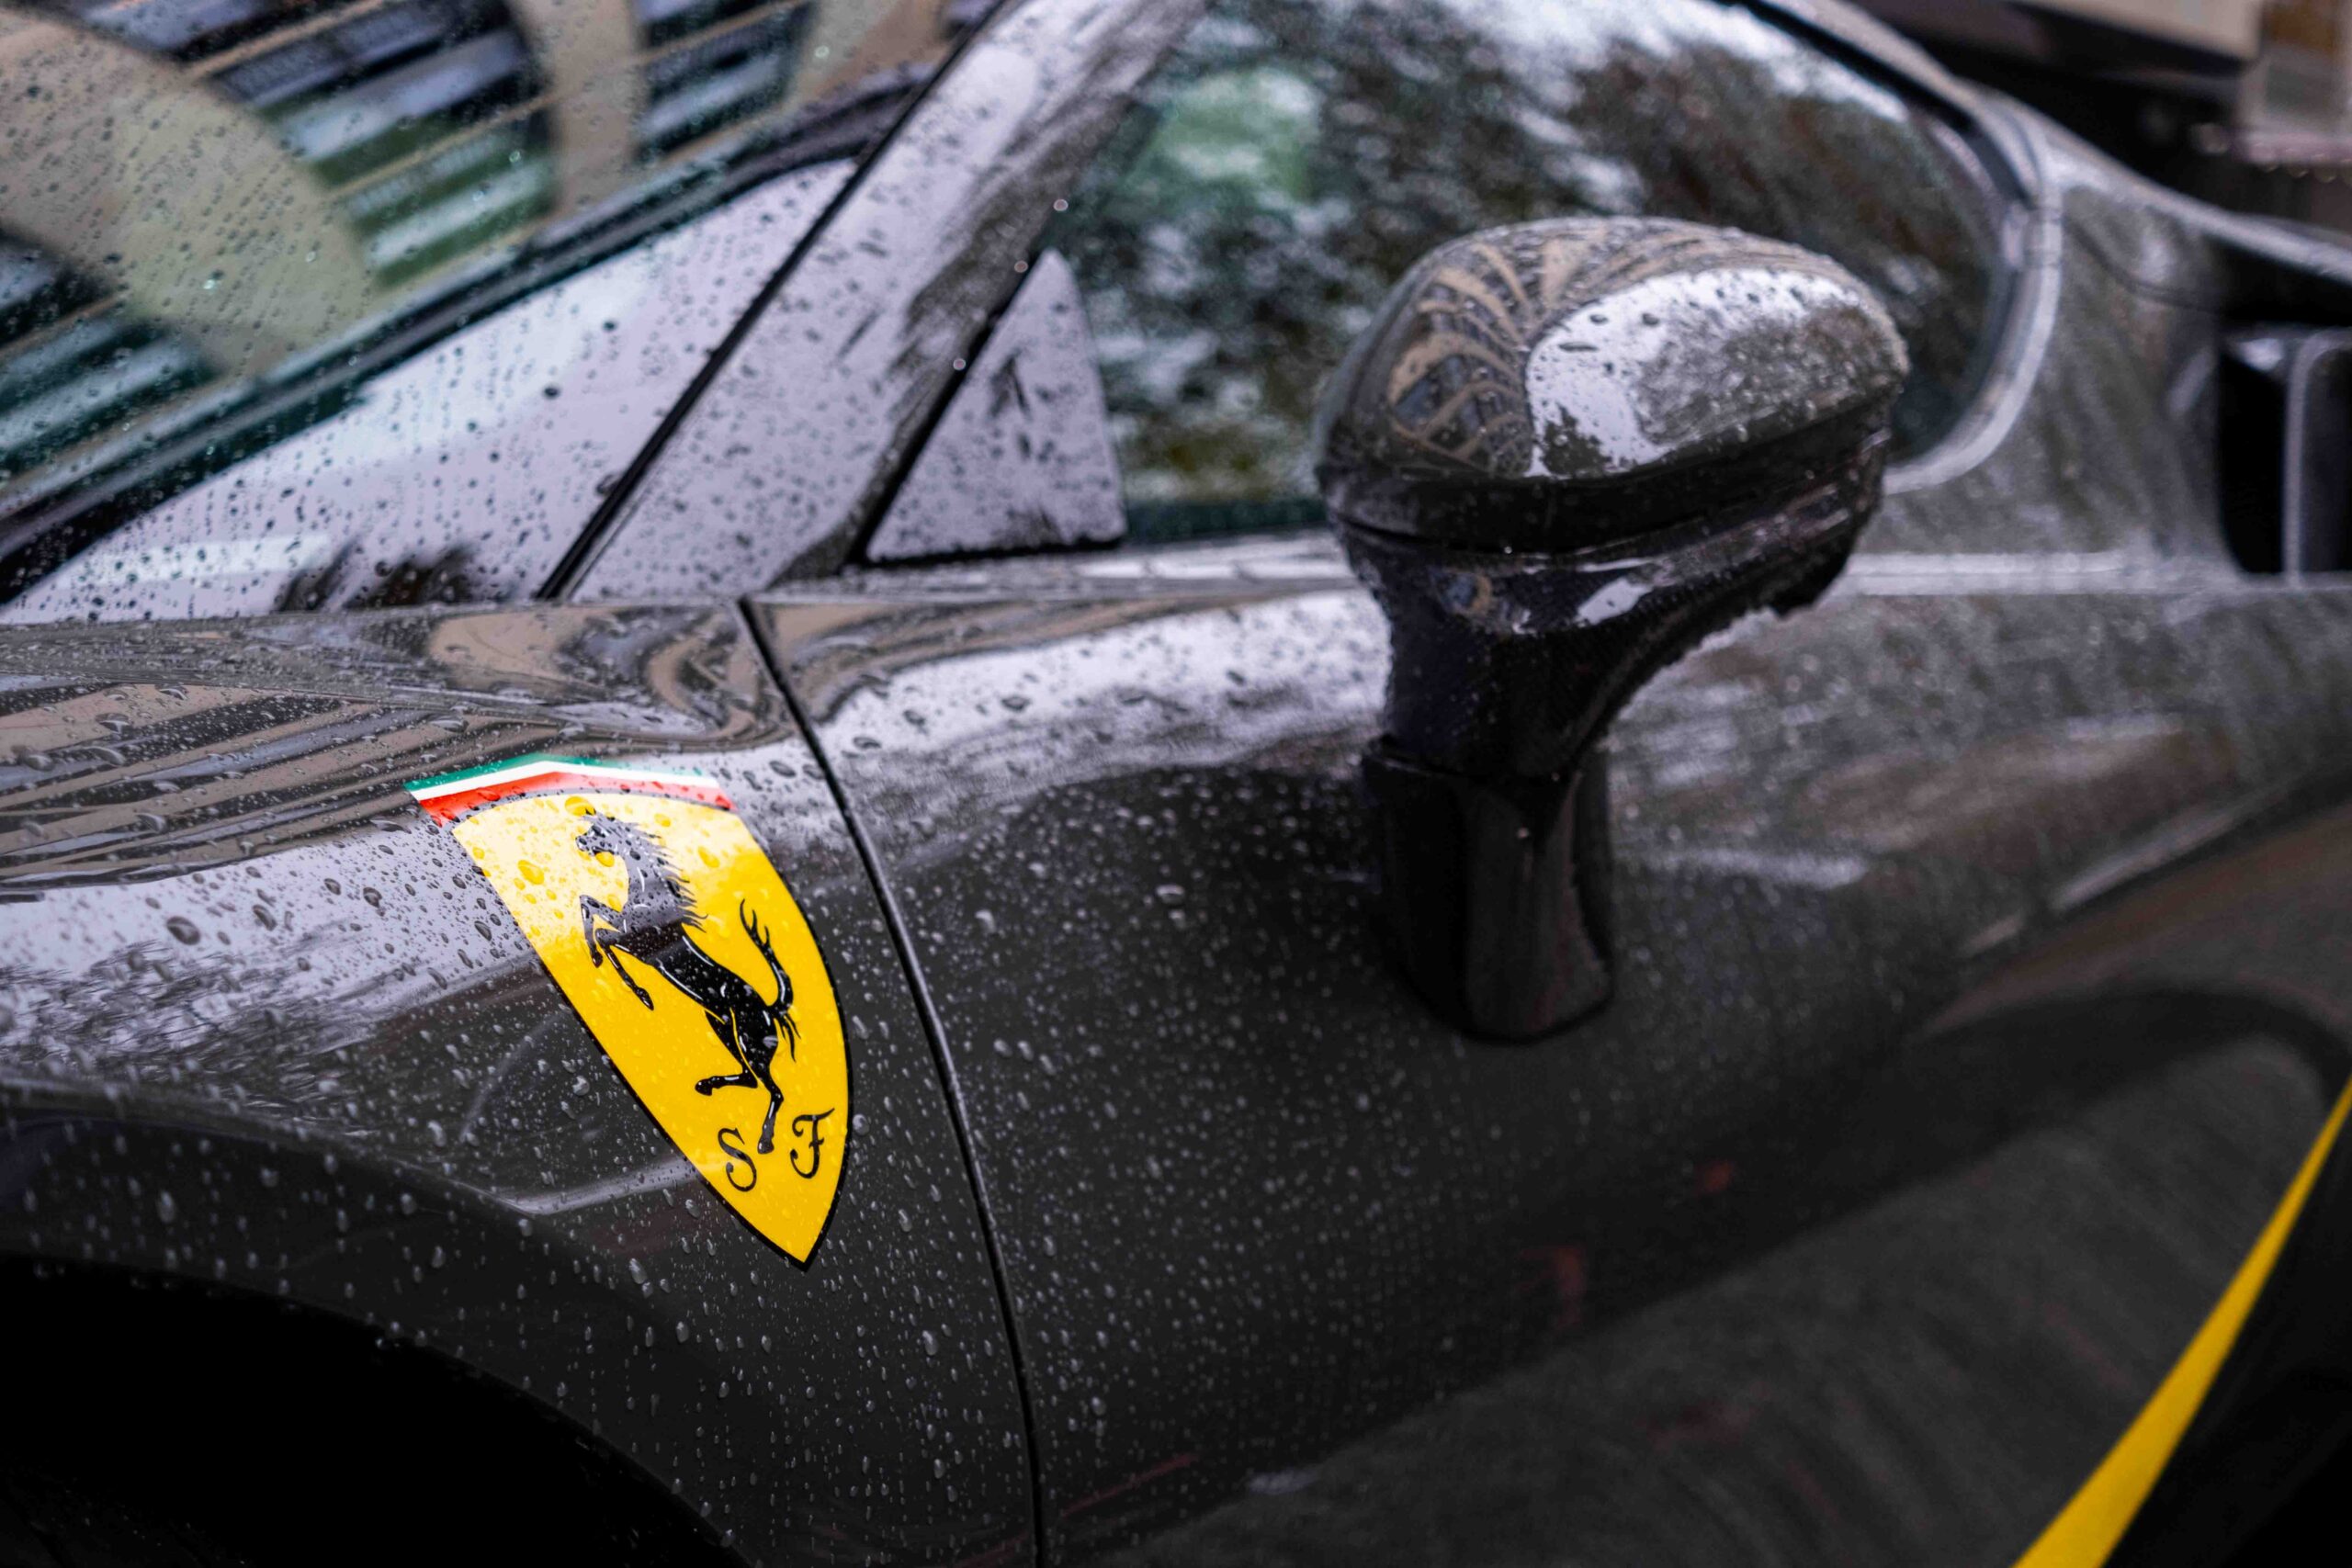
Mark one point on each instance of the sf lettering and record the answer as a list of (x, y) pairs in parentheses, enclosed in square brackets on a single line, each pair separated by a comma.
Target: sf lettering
[(743, 1173), (742, 1170), (809, 1129)]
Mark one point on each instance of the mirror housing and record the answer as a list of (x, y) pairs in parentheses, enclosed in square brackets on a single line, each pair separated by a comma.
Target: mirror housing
[(1562, 454)]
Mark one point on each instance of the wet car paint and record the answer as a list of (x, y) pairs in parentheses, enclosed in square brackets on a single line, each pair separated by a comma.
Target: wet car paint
[(1895, 1386), (1252, 1200), (1982, 815), (268, 1029), (1108, 790)]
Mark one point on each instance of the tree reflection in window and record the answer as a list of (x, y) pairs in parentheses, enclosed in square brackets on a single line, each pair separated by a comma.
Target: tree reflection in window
[(1297, 156)]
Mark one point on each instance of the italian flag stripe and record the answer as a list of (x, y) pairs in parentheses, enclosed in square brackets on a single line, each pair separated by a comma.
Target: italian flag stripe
[(447, 796)]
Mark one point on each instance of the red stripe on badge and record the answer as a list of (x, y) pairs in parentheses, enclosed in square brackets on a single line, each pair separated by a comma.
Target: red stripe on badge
[(451, 802)]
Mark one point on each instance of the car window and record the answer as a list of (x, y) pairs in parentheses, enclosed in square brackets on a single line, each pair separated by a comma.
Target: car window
[(310, 195), (463, 475), (1293, 158)]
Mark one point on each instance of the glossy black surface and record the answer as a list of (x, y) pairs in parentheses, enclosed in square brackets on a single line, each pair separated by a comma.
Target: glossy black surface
[(1504, 671), (267, 1027), (1562, 454), (1511, 664), (2036, 822), (1494, 892), (1896, 1387), (2286, 479), (1947, 854), (1554, 386)]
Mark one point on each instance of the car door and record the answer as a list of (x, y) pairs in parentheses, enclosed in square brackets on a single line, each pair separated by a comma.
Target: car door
[(1902, 880)]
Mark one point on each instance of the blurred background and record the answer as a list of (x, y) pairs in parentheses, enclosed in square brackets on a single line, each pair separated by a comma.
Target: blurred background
[(2248, 103)]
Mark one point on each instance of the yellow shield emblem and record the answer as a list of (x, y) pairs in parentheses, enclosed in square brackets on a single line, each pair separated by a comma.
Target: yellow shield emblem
[(673, 937)]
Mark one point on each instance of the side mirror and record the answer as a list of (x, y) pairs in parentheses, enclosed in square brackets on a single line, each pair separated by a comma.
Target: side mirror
[(1563, 454)]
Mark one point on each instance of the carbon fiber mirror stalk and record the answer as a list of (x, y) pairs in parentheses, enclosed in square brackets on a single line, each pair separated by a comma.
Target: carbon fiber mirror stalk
[(1562, 454)]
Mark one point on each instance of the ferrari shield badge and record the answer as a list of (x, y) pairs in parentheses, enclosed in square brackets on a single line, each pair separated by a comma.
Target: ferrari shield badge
[(678, 944)]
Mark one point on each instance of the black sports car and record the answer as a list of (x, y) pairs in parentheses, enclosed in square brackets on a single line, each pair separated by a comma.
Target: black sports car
[(820, 781)]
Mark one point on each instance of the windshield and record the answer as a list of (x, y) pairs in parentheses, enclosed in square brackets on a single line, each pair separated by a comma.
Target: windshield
[(223, 222)]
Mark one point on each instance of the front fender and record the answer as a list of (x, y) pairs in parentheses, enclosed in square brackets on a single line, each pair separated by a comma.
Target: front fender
[(262, 1024)]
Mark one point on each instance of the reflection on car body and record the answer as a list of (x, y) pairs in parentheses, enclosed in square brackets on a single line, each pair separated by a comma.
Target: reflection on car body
[(693, 824)]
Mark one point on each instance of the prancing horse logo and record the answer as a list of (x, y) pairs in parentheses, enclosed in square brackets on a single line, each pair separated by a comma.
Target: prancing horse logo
[(650, 926), (670, 932)]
